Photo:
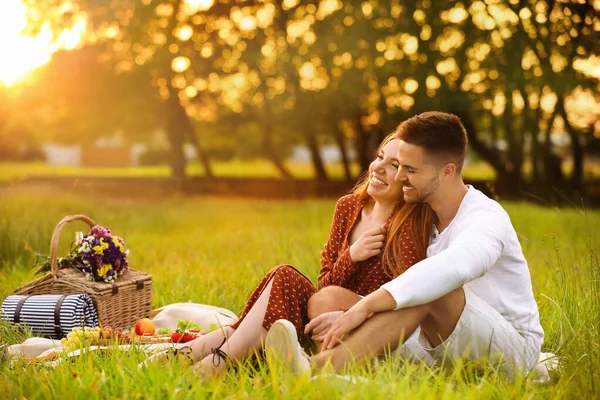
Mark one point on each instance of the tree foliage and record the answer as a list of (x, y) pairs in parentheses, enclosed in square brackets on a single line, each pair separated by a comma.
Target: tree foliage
[(327, 71)]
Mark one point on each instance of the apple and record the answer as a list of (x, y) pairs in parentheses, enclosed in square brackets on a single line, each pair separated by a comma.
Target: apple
[(144, 325)]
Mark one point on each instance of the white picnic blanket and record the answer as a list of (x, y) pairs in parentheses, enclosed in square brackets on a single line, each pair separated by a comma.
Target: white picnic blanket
[(164, 317)]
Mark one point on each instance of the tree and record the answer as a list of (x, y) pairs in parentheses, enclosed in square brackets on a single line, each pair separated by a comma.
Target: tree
[(495, 65), (331, 71)]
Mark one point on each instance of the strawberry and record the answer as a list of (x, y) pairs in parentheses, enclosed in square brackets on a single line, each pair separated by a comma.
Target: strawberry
[(189, 336), (176, 336)]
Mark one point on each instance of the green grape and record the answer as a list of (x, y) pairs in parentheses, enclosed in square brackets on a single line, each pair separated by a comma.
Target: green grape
[(80, 337)]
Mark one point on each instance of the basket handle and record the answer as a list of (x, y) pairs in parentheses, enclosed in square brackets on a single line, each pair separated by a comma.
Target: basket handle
[(56, 235)]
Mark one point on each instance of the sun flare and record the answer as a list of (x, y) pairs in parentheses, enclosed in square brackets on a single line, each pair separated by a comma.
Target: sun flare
[(21, 53)]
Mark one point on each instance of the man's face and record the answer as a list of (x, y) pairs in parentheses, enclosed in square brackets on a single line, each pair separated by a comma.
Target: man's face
[(419, 177)]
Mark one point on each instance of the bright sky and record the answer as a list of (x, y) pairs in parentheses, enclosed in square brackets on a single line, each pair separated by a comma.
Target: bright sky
[(20, 53)]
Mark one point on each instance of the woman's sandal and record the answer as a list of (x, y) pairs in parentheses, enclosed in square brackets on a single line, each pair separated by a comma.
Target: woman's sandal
[(219, 354)]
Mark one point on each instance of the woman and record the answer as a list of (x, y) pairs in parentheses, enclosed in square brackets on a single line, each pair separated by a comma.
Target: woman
[(374, 237)]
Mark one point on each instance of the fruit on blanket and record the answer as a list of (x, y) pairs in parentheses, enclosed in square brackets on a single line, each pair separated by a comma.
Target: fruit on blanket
[(184, 337), (107, 332), (144, 325), (189, 336), (78, 337), (176, 336)]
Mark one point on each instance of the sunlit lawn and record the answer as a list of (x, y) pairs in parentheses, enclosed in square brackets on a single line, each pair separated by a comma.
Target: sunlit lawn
[(10, 171), (215, 251), (15, 171)]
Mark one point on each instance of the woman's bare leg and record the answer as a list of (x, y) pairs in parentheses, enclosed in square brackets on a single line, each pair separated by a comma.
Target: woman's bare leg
[(244, 340), (201, 346), (330, 298)]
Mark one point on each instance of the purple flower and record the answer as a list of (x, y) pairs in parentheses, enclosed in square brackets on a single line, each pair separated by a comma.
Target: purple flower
[(96, 254)]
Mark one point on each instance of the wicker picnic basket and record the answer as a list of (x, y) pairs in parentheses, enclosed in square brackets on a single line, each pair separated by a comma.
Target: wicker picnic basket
[(119, 304)]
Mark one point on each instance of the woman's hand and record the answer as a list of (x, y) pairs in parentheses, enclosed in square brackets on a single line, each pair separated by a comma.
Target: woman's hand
[(369, 244), (319, 326), (351, 319)]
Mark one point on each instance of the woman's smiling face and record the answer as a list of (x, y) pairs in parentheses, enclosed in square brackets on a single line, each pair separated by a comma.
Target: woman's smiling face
[(382, 186)]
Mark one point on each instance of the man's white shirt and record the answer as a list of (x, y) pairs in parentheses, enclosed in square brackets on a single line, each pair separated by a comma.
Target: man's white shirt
[(479, 250)]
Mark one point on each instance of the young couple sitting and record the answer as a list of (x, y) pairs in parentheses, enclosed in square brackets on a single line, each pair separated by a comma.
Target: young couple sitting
[(413, 254)]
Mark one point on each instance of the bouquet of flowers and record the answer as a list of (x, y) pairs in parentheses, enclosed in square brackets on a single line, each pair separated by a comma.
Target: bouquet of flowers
[(98, 254)]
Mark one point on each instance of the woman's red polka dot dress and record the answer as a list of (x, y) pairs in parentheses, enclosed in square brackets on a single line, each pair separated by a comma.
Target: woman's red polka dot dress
[(291, 289)]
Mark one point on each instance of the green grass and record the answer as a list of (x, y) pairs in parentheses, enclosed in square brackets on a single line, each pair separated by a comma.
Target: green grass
[(15, 171), (215, 250), (11, 171)]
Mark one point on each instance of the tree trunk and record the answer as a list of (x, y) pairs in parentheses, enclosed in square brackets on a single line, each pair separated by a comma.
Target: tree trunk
[(271, 153), (488, 154), (268, 148), (202, 155), (550, 170), (338, 135), (553, 176), (362, 145), (577, 175), (176, 114), (317, 160), (176, 134), (534, 118), (378, 137), (494, 130), (514, 159)]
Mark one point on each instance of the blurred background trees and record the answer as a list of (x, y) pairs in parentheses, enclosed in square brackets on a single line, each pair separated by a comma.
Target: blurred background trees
[(255, 78)]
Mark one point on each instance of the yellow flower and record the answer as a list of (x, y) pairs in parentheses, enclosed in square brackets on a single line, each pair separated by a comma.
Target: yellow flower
[(101, 247), (104, 269), (118, 245)]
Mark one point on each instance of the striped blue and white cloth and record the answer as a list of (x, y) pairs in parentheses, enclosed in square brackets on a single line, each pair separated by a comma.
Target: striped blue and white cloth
[(51, 315)]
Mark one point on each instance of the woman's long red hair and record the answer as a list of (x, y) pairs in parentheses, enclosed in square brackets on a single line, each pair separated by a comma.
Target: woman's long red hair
[(415, 219)]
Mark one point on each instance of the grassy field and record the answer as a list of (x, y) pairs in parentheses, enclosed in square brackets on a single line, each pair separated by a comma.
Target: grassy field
[(11, 171), (15, 171), (214, 251)]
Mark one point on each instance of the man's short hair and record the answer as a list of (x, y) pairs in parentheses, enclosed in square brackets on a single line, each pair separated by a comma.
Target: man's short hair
[(442, 135)]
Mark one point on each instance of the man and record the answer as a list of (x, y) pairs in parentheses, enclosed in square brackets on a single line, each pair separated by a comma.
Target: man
[(471, 296)]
